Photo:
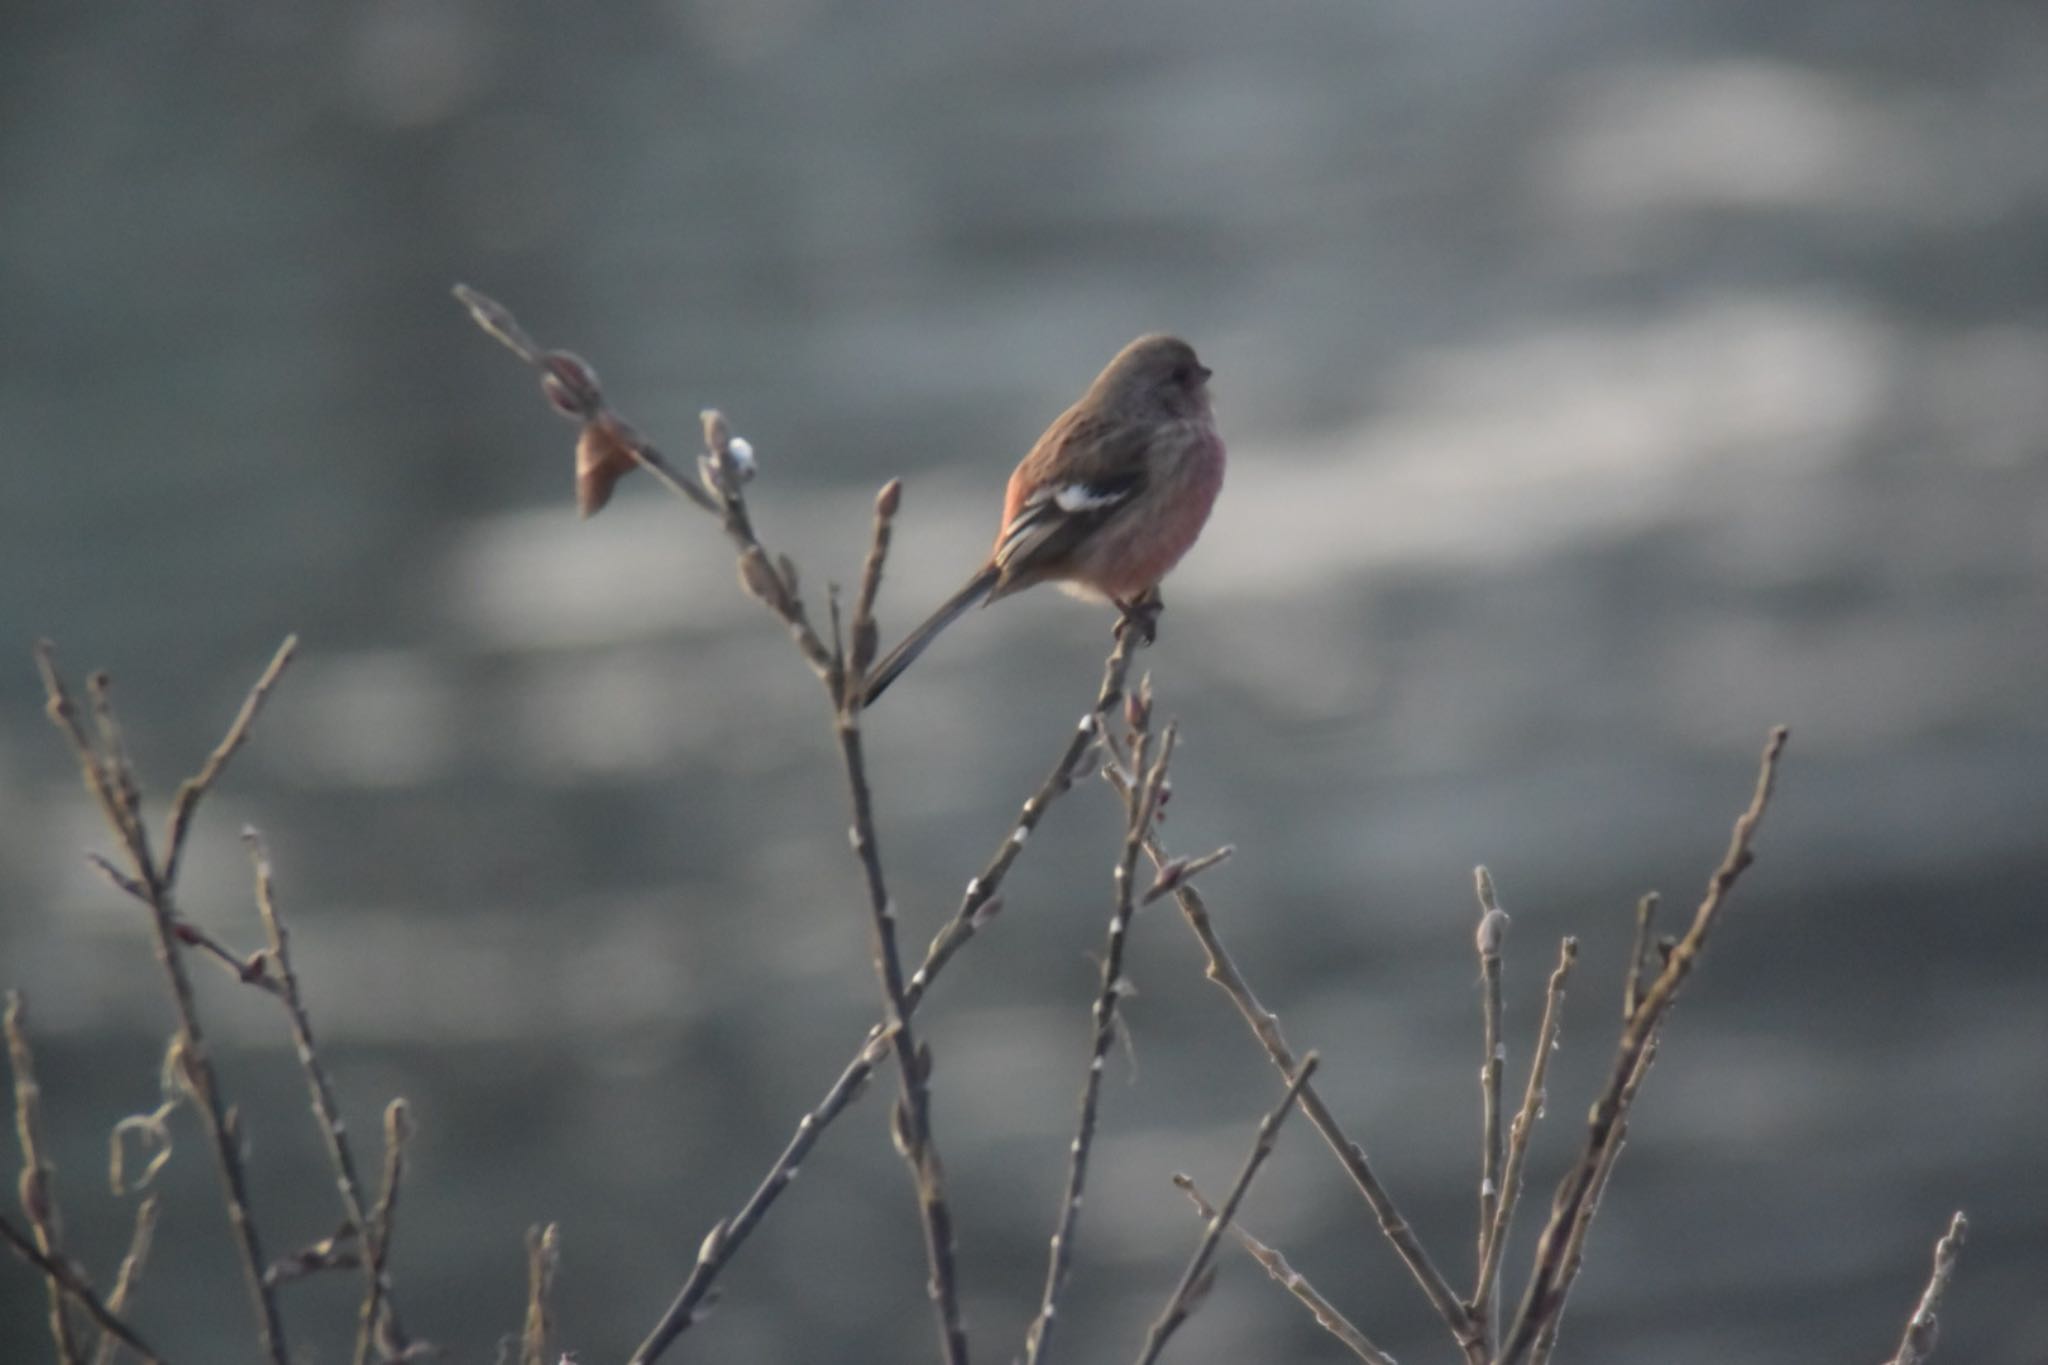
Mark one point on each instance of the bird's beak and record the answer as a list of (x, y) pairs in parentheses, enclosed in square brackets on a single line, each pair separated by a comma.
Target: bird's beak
[(1206, 373)]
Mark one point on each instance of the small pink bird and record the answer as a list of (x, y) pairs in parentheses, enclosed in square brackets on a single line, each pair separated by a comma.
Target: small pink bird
[(1108, 500)]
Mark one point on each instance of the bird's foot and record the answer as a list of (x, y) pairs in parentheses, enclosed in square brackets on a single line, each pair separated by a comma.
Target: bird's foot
[(1140, 615)]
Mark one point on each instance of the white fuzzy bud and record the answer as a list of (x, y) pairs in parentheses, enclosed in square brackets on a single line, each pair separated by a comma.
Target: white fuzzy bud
[(742, 452)]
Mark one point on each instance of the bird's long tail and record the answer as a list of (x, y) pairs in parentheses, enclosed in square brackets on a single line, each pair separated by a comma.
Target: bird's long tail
[(905, 654)]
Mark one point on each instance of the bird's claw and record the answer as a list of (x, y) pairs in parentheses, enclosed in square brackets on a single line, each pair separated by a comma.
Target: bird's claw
[(1141, 615)]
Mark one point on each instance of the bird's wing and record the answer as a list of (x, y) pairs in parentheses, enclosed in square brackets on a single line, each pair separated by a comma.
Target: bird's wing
[(1055, 519), (1100, 468)]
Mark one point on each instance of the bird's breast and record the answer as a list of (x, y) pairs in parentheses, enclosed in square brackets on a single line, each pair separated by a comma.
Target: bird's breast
[(1131, 554)]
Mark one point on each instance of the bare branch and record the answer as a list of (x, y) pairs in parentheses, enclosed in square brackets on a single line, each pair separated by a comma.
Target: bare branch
[(911, 1123), (496, 319), (378, 1317), (336, 1251), (1923, 1327), (250, 970), (1170, 877), (572, 388), (1639, 969), (1195, 1280), (114, 748), (1142, 808), (153, 1127), (865, 635), (1544, 1298), (1294, 1282), (38, 1183), (1523, 1129), (1575, 1245), (283, 981), (1265, 1026), (1493, 926), (977, 904), (543, 1255), (107, 789), (109, 779), (60, 1272), (129, 1275), (179, 826)]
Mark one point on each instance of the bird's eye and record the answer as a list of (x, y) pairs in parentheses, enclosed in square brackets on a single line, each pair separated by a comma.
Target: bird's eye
[(1184, 375)]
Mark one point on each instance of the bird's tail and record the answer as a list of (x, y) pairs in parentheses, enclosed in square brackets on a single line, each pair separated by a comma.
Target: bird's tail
[(905, 654)]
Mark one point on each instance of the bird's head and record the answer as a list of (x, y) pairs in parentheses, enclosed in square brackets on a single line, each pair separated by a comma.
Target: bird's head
[(1156, 375)]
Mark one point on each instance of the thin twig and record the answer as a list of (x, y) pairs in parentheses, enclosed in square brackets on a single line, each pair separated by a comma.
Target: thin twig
[(106, 788), (497, 320), (129, 1275), (107, 778), (984, 885), (1196, 1279), (336, 1251), (1142, 807), (1575, 1245), (60, 1272), (977, 904), (114, 749), (911, 1119), (572, 387), (154, 1127), (1170, 877), (247, 970), (1265, 1026), (1523, 1128), (543, 1255), (1294, 1282), (38, 1184), (179, 825), (377, 1315), (1544, 1297), (1924, 1326), (284, 979), (865, 633), (1484, 1305), (1639, 955)]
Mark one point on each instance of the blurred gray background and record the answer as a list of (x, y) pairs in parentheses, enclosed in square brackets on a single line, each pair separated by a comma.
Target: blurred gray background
[(1604, 381)]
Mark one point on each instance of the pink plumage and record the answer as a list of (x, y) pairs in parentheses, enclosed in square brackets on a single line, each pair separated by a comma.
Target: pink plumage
[(1109, 499)]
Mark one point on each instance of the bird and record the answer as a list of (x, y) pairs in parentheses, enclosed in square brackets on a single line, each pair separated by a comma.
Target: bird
[(1108, 500)]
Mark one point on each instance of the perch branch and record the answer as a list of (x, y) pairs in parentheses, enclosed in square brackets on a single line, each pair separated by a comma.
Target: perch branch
[(977, 904)]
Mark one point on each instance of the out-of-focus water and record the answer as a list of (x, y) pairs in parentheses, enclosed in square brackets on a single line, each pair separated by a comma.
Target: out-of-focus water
[(1604, 383)]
